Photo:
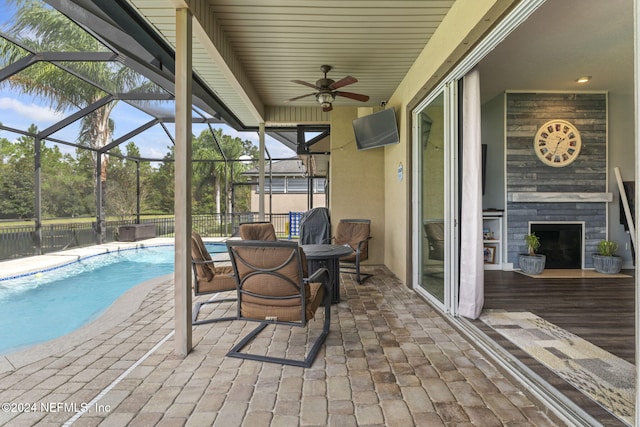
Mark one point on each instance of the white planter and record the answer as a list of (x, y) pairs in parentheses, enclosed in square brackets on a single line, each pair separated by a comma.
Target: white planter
[(532, 264), (607, 264)]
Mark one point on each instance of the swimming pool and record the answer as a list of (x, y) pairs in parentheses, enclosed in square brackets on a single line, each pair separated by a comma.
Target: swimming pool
[(43, 306)]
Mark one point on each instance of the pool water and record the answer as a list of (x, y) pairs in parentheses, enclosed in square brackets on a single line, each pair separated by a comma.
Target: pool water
[(44, 306)]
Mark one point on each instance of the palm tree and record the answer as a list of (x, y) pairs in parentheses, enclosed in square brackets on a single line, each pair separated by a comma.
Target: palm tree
[(211, 172), (41, 28)]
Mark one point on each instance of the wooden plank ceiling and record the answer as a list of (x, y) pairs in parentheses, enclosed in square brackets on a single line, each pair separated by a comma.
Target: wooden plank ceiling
[(248, 51)]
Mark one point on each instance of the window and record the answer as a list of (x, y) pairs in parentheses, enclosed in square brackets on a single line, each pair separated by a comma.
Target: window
[(297, 185), (319, 185)]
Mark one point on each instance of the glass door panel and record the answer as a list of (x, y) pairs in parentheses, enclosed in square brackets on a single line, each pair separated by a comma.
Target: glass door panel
[(431, 152)]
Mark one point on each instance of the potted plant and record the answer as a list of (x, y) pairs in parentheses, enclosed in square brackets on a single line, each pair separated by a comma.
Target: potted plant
[(606, 261), (531, 262)]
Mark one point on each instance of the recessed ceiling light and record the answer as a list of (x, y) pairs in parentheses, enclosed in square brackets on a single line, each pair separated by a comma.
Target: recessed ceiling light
[(583, 79)]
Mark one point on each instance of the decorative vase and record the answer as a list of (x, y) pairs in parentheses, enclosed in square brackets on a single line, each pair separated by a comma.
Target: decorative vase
[(532, 264), (607, 264)]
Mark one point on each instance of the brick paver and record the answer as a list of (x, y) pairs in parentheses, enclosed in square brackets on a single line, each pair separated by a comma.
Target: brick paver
[(390, 360)]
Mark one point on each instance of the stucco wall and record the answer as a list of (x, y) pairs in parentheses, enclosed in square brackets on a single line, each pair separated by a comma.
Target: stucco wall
[(464, 25), (290, 202), (356, 184)]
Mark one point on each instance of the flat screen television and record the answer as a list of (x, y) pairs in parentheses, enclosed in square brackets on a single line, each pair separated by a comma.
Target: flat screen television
[(376, 130)]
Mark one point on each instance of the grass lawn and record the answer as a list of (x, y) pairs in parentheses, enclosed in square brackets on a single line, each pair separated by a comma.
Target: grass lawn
[(83, 220)]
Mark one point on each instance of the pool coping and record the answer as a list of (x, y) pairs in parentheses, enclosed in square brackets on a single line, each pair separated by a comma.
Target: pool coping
[(118, 312), (10, 269)]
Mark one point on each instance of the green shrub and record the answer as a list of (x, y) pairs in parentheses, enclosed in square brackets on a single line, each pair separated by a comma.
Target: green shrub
[(607, 248), (533, 243)]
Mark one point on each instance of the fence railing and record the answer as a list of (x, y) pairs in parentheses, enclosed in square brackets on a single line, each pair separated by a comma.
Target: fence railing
[(21, 241)]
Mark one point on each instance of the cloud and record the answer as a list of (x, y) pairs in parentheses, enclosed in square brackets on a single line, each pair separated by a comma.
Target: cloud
[(20, 114), (35, 113)]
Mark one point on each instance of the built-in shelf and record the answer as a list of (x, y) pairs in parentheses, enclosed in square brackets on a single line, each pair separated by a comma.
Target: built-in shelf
[(492, 239)]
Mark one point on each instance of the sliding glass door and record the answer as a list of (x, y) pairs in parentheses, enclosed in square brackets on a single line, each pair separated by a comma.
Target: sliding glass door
[(429, 198)]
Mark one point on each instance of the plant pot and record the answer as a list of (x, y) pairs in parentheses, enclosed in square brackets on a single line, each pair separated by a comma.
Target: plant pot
[(532, 264), (607, 264)]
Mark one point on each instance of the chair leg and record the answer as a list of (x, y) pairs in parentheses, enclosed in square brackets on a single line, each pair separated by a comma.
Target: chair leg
[(308, 360), (196, 311), (360, 277), (306, 363)]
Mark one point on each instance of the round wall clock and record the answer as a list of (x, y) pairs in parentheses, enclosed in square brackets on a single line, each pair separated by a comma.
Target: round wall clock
[(557, 143)]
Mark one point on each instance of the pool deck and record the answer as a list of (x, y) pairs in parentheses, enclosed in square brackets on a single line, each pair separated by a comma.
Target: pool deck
[(390, 360)]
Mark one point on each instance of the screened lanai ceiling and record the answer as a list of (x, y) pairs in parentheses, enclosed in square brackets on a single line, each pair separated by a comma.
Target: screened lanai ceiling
[(247, 52)]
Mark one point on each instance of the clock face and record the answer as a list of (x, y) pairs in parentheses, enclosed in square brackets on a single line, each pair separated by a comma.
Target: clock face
[(557, 143)]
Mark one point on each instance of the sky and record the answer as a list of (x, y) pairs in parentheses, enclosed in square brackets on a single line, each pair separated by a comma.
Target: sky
[(19, 111)]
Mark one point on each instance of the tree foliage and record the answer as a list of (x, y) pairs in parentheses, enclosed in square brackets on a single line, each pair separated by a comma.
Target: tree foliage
[(67, 179), (16, 178), (68, 182), (43, 29), (40, 28), (213, 178)]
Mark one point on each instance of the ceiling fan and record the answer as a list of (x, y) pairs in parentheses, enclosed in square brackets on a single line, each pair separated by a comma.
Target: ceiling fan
[(326, 89)]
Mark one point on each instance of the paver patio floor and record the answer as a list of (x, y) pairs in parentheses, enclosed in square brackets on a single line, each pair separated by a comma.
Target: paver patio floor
[(390, 360)]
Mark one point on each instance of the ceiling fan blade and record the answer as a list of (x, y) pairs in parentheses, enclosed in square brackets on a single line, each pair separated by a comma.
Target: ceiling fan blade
[(299, 97), (356, 96), (343, 82), (300, 82), (327, 109)]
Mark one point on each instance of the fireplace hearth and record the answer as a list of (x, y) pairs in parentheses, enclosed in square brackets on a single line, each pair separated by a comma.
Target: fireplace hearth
[(562, 243)]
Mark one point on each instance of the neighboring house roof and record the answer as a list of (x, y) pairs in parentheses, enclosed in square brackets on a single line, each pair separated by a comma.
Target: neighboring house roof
[(287, 167)]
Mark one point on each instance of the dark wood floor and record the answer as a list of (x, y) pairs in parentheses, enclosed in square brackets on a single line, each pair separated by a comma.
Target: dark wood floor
[(601, 311)]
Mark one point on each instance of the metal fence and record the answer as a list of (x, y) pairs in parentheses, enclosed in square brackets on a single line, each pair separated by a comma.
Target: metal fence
[(21, 241)]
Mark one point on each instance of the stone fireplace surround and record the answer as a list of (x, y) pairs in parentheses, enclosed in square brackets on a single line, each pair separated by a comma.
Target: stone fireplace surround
[(539, 193), (592, 215)]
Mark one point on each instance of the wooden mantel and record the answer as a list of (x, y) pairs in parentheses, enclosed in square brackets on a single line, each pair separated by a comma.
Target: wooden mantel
[(538, 197)]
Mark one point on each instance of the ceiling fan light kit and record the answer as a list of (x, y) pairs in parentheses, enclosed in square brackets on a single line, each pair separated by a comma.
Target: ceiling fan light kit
[(326, 89), (325, 99)]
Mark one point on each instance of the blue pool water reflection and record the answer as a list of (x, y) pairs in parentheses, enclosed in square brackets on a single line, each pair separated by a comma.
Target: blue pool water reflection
[(44, 306)]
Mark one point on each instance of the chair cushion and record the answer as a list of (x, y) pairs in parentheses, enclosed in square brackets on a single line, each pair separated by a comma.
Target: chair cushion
[(271, 278), (258, 231), (285, 284), (199, 253), (223, 280), (352, 233), (350, 258), (259, 308)]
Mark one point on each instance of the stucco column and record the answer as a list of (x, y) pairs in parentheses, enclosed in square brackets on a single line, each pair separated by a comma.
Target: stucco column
[(182, 209)]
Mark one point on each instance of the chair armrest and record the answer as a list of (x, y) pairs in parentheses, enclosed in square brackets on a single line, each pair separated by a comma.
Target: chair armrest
[(193, 261), (212, 261), (314, 278), (207, 261), (319, 272), (361, 243)]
